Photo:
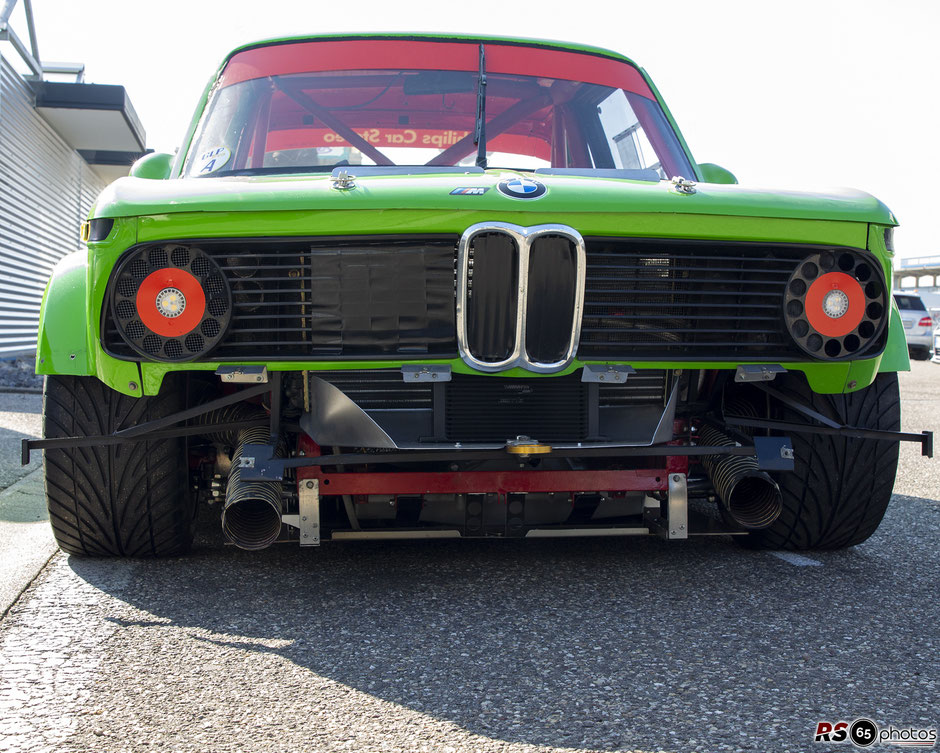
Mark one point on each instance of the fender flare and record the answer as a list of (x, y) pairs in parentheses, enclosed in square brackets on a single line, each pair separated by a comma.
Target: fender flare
[(63, 346), (895, 356)]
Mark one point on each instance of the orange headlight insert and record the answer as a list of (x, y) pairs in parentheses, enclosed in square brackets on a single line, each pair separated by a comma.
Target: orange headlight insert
[(171, 302), (835, 304)]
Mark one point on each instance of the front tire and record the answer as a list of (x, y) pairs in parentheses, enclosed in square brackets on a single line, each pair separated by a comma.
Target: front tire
[(123, 500), (839, 490)]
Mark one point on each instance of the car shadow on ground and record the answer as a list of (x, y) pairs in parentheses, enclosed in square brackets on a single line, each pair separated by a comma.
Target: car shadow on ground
[(584, 643)]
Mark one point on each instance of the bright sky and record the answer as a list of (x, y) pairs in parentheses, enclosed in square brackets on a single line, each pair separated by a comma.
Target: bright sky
[(804, 93)]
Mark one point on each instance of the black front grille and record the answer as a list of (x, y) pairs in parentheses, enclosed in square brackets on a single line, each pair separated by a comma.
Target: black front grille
[(385, 298), (494, 409), (373, 297), (644, 387), (381, 389), (385, 389), (332, 299), (492, 296), (686, 299), (552, 289)]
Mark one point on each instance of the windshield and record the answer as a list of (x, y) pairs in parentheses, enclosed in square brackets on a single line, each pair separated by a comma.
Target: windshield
[(291, 119)]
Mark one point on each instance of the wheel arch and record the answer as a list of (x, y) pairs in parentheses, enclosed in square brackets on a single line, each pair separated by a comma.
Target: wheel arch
[(63, 345), (67, 339), (895, 356)]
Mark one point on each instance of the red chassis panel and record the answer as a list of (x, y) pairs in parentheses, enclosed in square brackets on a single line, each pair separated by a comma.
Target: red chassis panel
[(483, 482)]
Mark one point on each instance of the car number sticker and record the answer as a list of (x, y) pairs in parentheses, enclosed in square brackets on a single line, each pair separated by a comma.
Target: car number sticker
[(214, 159)]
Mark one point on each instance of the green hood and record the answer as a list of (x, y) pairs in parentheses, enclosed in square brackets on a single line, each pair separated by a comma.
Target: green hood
[(567, 195)]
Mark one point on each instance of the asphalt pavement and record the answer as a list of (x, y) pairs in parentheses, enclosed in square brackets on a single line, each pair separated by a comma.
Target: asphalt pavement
[(606, 645)]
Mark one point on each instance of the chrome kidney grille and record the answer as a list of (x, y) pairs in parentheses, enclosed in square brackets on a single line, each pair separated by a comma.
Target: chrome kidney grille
[(520, 296)]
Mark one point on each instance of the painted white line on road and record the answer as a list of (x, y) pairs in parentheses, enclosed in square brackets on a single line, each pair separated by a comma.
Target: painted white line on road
[(796, 559)]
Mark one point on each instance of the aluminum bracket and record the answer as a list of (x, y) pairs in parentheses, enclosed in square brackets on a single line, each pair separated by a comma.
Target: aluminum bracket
[(606, 374), (426, 373), (308, 493), (759, 372), (671, 521), (243, 374), (677, 507)]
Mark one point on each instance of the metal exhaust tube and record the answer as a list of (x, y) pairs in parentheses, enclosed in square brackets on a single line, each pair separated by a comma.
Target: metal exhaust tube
[(750, 497), (251, 517)]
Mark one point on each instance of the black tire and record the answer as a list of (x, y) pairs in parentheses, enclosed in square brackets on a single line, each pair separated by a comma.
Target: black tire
[(840, 488), (919, 353), (125, 500)]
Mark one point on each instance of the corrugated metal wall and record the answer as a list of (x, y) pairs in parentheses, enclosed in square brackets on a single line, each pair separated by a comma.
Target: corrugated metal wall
[(46, 189)]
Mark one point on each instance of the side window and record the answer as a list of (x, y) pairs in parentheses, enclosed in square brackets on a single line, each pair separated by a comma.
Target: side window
[(629, 146), (223, 141)]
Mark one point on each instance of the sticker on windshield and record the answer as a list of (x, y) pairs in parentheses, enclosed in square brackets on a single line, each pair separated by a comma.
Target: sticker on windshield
[(209, 162)]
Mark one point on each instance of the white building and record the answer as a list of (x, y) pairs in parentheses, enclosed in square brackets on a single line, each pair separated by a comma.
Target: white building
[(60, 144)]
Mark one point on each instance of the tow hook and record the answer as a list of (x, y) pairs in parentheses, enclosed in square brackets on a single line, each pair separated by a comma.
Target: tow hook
[(523, 447)]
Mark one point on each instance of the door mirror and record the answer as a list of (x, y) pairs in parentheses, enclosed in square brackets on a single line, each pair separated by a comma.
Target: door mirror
[(712, 173), (155, 166)]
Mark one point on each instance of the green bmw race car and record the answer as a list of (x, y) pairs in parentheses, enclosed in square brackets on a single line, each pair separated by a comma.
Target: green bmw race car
[(426, 286)]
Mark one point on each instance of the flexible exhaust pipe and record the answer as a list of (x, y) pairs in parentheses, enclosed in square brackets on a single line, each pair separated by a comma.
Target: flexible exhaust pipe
[(251, 517), (747, 494)]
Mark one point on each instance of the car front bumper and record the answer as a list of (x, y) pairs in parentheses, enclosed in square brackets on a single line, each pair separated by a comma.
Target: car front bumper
[(919, 337)]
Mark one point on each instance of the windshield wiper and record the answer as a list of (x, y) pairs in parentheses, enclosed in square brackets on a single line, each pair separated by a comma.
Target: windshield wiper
[(479, 133), (272, 170)]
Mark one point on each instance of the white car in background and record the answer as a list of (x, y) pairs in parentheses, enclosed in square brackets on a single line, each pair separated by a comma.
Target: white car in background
[(918, 325)]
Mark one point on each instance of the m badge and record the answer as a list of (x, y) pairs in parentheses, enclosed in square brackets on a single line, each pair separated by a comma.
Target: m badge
[(475, 191)]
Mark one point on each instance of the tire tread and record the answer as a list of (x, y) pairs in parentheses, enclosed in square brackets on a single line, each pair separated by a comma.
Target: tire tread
[(840, 488), (125, 500)]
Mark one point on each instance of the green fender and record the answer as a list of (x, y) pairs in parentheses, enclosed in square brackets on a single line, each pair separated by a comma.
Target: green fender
[(895, 357), (63, 328), (67, 339)]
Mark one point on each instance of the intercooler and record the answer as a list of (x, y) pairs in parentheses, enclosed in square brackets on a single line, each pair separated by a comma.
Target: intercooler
[(492, 409)]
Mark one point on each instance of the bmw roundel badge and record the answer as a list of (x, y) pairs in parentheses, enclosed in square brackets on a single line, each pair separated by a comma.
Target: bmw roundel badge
[(521, 188)]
